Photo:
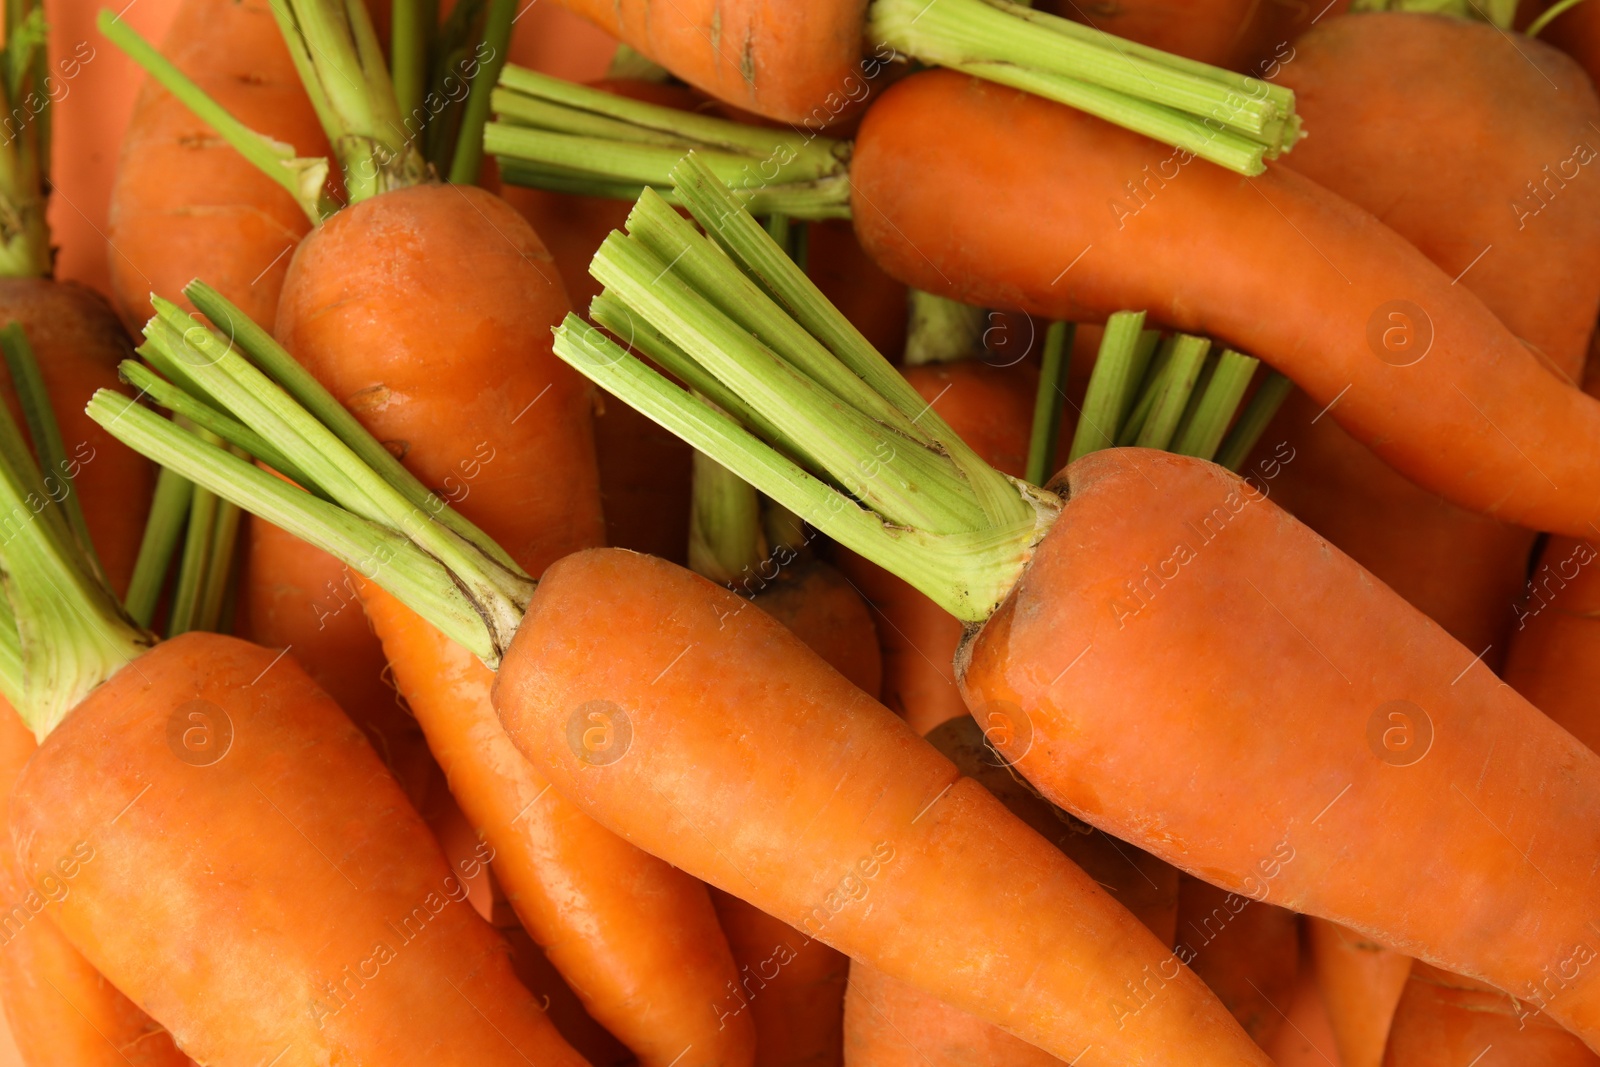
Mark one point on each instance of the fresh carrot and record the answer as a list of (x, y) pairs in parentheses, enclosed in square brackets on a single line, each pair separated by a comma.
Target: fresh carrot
[(1444, 1019), (59, 1008), (1575, 30), (1238, 34), (815, 66), (1552, 660), (1092, 633), (1361, 983), (888, 1023), (1247, 951), (887, 815), (1337, 271), (185, 202)]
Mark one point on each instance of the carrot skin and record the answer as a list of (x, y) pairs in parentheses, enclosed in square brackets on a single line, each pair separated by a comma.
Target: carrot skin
[(1361, 983), (841, 822), (79, 343), (1326, 269), (1553, 658), (795, 63), (184, 203), (407, 974), (1248, 952), (636, 938), (60, 1010), (1444, 1019), (1175, 615)]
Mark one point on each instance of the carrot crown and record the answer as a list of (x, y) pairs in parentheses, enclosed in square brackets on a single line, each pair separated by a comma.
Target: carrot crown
[(232, 380), (62, 631), (802, 407), (27, 92)]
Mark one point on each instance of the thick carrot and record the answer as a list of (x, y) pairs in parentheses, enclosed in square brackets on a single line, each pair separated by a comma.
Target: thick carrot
[(1361, 983), (78, 343), (1332, 270), (185, 203), (1444, 1019), (1552, 660), (853, 815), (990, 407), (60, 1009), (1536, 266), (1247, 951), (408, 974), (888, 1023)]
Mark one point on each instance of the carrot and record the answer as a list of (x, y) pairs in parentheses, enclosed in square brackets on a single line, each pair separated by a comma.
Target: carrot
[(887, 815), (815, 66), (1551, 659), (888, 1023), (185, 202), (60, 1009), (1238, 34), (1361, 983), (1445, 1019), (1336, 267), (1576, 31), (1248, 952), (1532, 104)]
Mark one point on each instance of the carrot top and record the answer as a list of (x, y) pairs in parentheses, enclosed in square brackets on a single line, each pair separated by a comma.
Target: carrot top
[(24, 143), (62, 631)]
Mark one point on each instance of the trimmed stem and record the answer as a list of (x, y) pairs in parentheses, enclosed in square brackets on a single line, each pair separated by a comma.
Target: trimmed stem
[(941, 330), (342, 67), (724, 523), (1047, 402), (1171, 397), (1118, 370), (412, 23), (1252, 423), (468, 159), (25, 153), (1215, 405), (304, 177), (169, 510), (1498, 13), (185, 611)]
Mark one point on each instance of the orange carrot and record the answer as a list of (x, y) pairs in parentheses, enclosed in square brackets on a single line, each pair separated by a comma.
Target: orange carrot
[(1361, 983), (1444, 1019), (1332, 269)]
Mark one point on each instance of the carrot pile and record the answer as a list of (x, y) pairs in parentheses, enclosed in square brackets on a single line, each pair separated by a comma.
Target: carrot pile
[(879, 533)]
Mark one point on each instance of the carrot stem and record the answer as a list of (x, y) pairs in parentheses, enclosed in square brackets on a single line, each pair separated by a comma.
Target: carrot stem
[(1269, 396), (25, 156), (72, 634), (724, 523), (1118, 370), (341, 65), (1047, 402), (40, 417), (941, 330), (184, 613), (305, 178), (1215, 404), (221, 572), (1228, 118), (1499, 13), (1171, 398), (169, 510), (1553, 12), (468, 159), (411, 24)]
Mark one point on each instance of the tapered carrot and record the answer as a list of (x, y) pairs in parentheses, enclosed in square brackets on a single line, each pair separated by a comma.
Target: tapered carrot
[(888, 1023), (1361, 983), (1552, 657), (186, 203), (1335, 271), (59, 1008), (1445, 1019)]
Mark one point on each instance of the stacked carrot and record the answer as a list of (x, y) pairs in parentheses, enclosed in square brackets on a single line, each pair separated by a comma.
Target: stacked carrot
[(1104, 507)]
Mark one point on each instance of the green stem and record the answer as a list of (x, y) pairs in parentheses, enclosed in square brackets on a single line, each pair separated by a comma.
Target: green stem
[(468, 159), (341, 65), (635, 66), (185, 611), (1499, 13), (25, 151), (221, 572), (1252, 422), (72, 633), (940, 330), (724, 523), (169, 510), (40, 417), (1047, 402), (1118, 369), (1171, 397), (305, 178), (1553, 12), (411, 24), (1218, 115), (1214, 405)]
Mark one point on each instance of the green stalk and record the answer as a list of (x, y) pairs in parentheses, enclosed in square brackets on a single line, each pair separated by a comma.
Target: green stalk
[(45, 432), (1228, 118), (305, 178), (940, 330), (1118, 369), (724, 523), (635, 66), (1171, 399), (469, 141), (1553, 12), (25, 152), (10, 656), (1214, 405), (1498, 13), (1047, 402), (72, 634), (184, 613), (411, 25), (220, 569), (1252, 422), (341, 65), (451, 59), (169, 510)]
